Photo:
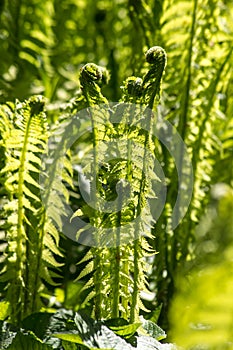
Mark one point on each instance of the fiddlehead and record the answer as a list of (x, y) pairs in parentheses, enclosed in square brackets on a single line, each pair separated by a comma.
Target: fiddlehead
[(156, 57), (120, 294), (92, 77)]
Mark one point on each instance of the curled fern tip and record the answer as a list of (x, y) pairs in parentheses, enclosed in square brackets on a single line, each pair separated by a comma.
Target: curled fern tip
[(37, 104), (133, 86), (155, 54), (91, 72)]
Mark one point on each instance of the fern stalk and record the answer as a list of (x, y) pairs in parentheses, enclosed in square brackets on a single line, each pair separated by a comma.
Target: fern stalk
[(144, 92), (20, 251), (116, 265), (91, 77)]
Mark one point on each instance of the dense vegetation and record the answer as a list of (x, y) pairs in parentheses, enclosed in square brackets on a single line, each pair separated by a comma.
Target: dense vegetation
[(152, 135)]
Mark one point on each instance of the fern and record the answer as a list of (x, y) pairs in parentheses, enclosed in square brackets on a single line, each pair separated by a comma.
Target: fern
[(191, 102), (27, 50), (117, 274), (31, 244)]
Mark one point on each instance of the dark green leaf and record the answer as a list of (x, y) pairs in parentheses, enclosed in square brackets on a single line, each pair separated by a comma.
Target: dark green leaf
[(27, 342), (122, 327)]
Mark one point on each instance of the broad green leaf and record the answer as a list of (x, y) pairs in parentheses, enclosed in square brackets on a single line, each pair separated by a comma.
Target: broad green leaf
[(44, 324), (73, 337), (122, 327), (94, 334), (37, 323), (27, 342), (126, 331)]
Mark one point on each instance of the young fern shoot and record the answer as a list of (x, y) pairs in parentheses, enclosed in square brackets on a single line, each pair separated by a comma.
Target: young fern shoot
[(118, 267), (147, 90), (91, 78)]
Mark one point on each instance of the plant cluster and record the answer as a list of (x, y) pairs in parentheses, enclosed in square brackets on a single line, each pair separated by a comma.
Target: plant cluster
[(108, 177), (32, 231)]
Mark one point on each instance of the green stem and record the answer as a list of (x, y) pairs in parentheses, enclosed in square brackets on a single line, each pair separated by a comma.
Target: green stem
[(117, 260), (136, 272), (21, 235), (96, 223), (137, 241), (39, 248), (92, 76), (116, 282), (156, 56), (142, 92), (125, 288)]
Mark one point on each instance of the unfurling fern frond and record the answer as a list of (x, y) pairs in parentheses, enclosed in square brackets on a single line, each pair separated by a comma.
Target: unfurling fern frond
[(31, 243), (156, 56), (117, 271), (92, 77)]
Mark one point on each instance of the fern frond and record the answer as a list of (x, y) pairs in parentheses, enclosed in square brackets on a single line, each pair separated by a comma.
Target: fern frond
[(86, 271), (30, 248), (28, 51), (91, 79), (131, 151), (191, 102)]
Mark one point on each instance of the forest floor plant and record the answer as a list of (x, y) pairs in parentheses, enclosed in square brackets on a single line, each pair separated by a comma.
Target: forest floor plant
[(35, 200)]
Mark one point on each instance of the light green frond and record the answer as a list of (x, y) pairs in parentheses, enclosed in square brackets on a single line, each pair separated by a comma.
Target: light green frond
[(49, 258), (89, 297), (30, 247), (45, 274), (88, 284), (88, 256), (50, 243), (88, 269)]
